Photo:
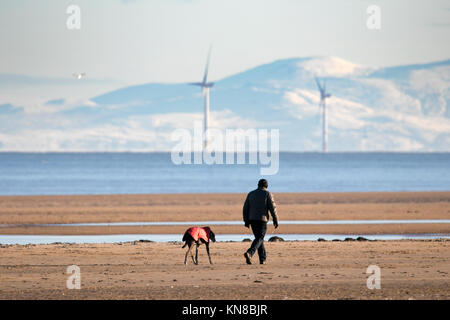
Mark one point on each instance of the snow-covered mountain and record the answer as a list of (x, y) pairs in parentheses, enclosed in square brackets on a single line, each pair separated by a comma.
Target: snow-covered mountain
[(404, 108)]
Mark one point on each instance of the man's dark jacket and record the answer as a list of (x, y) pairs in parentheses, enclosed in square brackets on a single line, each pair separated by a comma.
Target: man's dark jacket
[(257, 206)]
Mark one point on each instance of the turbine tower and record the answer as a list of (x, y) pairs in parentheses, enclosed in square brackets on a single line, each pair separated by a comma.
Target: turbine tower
[(323, 96), (205, 85)]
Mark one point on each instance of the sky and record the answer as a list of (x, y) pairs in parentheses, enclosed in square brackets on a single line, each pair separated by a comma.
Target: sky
[(121, 43), (139, 41)]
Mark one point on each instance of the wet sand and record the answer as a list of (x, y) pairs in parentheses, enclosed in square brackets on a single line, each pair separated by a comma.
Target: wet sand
[(295, 270), (20, 213), (425, 228)]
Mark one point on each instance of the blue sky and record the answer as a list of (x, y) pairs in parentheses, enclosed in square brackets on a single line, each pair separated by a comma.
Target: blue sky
[(138, 41)]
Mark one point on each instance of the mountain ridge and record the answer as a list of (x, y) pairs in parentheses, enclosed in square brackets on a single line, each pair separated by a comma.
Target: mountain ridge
[(397, 108)]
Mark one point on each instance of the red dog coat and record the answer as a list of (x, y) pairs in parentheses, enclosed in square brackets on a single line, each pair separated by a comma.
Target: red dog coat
[(199, 233)]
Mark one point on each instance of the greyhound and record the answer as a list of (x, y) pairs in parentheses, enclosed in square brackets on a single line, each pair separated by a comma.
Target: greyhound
[(197, 235)]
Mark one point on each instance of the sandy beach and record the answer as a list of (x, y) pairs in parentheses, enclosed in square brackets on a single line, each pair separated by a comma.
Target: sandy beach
[(21, 214), (295, 270), (410, 269)]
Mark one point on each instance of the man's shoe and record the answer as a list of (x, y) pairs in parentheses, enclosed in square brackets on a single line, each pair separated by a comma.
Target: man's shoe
[(262, 262), (247, 258)]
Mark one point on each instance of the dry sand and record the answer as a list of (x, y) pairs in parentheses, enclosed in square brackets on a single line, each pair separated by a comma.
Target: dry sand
[(295, 270)]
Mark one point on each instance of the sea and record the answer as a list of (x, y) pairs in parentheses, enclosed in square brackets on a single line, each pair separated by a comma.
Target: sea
[(155, 172)]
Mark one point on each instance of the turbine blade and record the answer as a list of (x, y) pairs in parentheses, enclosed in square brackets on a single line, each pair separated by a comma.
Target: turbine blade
[(205, 76), (318, 84)]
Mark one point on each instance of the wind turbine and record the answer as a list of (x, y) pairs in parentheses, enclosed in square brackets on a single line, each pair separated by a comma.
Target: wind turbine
[(323, 96), (205, 85)]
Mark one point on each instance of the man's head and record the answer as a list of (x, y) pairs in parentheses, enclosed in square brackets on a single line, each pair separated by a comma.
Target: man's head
[(263, 183)]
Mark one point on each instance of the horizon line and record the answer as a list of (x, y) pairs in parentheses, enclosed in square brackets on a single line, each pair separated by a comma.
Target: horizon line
[(224, 151)]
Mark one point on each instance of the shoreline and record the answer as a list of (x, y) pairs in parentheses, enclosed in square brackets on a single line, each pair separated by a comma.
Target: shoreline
[(306, 269), (120, 239)]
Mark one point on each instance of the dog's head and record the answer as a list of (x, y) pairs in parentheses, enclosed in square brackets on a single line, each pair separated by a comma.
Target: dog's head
[(212, 236)]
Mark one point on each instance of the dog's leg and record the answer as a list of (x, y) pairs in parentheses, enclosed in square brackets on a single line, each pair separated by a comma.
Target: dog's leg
[(196, 253), (207, 251), (192, 255), (187, 252)]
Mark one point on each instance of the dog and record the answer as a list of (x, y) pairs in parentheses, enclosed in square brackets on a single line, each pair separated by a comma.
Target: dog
[(197, 235)]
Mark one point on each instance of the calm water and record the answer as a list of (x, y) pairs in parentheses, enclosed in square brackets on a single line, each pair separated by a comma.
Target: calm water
[(115, 238), (116, 173)]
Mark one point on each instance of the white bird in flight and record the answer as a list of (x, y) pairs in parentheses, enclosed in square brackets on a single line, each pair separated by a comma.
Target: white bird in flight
[(79, 75)]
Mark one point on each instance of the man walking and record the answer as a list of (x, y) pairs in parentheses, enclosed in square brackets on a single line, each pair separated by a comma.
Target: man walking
[(256, 210)]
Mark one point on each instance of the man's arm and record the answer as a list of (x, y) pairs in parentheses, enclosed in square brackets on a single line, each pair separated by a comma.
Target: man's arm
[(245, 212), (273, 209)]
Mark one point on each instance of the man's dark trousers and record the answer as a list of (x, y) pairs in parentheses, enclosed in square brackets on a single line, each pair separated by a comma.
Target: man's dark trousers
[(259, 229)]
